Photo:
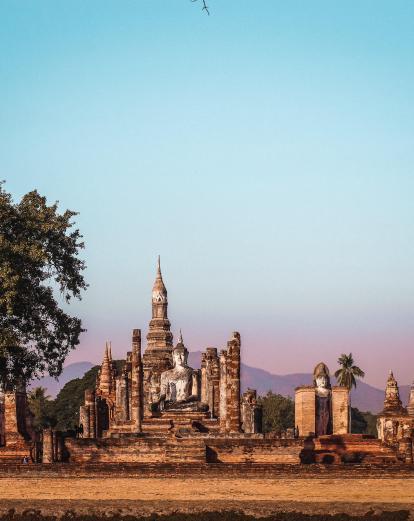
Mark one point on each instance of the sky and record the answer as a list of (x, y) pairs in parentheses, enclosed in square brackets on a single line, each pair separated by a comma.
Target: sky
[(265, 152)]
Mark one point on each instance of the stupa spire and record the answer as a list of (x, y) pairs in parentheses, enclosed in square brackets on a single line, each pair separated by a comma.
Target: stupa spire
[(159, 334), (392, 402), (105, 377)]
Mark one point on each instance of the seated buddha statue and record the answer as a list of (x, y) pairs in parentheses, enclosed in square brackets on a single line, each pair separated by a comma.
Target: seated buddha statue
[(179, 389)]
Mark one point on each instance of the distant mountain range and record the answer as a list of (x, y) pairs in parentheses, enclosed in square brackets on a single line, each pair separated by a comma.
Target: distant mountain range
[(365, 396), (70, 372)]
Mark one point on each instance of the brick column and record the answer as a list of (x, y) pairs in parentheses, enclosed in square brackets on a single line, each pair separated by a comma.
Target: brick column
[(84, 420), (204, 392), (47, 446), (2, 418), (11, 428), (233, 384), (90, 402), (223, 391), (340, 410), (137, 384), (305, 410)]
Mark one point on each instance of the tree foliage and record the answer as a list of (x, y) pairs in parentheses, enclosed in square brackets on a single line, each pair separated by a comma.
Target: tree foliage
[(347, 372), (42, 408), (278, 412), (71, 397), (364, 422), (38, 255)]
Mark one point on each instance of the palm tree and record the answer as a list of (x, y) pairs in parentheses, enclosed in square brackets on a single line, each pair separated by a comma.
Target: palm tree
[(40, 404), (346, 376)]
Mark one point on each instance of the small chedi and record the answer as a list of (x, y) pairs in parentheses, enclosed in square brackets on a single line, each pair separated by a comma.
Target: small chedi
[(395, 424), (321, 409)]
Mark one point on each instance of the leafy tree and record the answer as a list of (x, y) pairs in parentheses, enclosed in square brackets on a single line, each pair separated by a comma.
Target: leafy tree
[(364, 422), (278, 412), (38, 254), (346, 376), (41, 407), (71, 397)]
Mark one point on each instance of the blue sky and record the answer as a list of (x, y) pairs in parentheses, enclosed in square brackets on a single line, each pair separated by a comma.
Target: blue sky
[(265, 151)]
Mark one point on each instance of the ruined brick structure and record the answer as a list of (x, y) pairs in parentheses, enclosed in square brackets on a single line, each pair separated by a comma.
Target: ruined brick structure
[(395, 424), (128, 400), (308, 400), (251, 412), (155, 409), (152, 408), (17, 437)]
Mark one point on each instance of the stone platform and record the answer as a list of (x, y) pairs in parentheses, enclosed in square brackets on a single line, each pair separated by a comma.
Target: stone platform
[(182, 446), (348, 448), (16, 451), (166, 422)]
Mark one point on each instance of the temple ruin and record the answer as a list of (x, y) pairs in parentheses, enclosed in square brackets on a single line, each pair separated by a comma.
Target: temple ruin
[(153, 408)]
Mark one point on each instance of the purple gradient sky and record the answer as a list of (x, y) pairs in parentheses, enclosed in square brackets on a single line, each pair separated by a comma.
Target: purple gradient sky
[(266, 153)]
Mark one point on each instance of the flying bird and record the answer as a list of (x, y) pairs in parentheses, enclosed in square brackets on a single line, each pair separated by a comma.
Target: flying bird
[(205, 6)]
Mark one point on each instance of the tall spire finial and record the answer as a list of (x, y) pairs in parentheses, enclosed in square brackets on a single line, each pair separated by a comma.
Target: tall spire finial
[(180, 340), (106, 354), (159, 335)]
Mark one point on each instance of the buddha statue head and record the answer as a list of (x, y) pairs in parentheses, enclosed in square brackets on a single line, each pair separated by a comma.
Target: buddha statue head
[(180, 354), (321, 380)]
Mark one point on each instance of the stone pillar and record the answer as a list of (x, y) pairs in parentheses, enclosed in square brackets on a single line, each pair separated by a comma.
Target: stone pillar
[(204, 393), (305, 410), (212, 381), (405, 449), (410, 407), (90, 402), (196, 383), (137, 384), (251, 413), (233, 383), (47, 446), (125, 396), (121, 398), (11, 426), (223, 391), (2, 418), (57, 446), (85, 420), (340, 410)]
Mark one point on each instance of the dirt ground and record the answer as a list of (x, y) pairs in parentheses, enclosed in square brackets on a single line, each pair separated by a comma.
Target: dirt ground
[(142, 496), (310, 490)]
